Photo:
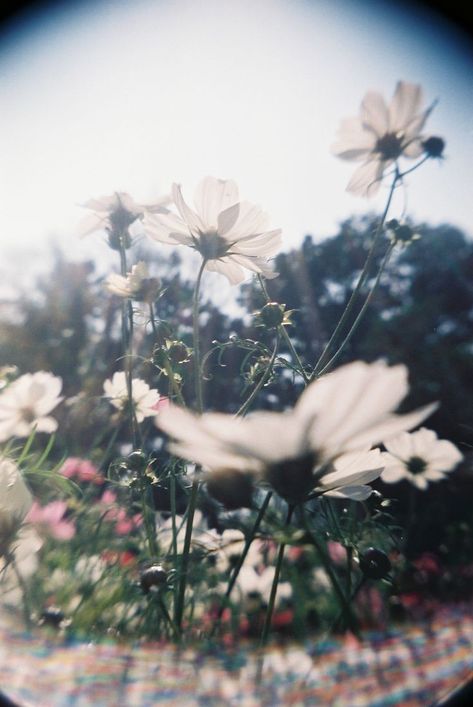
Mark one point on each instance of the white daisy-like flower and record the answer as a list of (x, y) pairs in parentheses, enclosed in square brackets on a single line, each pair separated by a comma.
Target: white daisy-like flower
[(381, 135), (136, 285), (232, 236), (116, 213), (20, 559), (252, 585), (145, 399), (26, 403), (321, 446), (15, 497), (419, 457)]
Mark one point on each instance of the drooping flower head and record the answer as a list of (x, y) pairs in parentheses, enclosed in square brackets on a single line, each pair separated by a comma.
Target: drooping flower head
[(381, 135), (419, 457), (26, 403), (231, 235), (145, 399), (115, 214), (322, 446), (136, 285)]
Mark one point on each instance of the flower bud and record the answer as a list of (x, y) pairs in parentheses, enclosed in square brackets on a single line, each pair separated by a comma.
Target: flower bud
[(136, 461), (178, 352), (272, 314), (374, 564), (233, 489), (153, 577), (52, 616), (434, 146)]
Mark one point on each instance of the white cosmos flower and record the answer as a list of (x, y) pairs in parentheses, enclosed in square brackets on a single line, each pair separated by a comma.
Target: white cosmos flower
[(381, 135), (26, 405), (15, 498), (231, 235), (145, 399), (137, 284), (116, 212), (251, 583), (21, 559), (322, 444), (419, 457)]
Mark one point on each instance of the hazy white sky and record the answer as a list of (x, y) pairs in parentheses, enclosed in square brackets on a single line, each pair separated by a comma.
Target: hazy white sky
[(106, 96)]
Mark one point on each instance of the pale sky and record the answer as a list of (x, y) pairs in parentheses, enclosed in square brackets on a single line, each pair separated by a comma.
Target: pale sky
[(111, 96)]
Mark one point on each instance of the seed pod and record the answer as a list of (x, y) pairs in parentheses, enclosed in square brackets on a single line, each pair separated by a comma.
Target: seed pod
[(374, 564), (272, 314), (153, 577), (434, 146), (52, 616)]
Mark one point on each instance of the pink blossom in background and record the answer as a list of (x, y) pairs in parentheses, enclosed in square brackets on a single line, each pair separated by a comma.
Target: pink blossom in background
[(124, 524), (337, 552), (81, 469), (49, 520), (108, 498)]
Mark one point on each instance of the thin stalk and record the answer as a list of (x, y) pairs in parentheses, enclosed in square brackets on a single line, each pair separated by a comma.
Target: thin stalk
[(239, 565), (167, 616), (360, 314), (344, 602), (127, 343), (195, 319), (361, 280), (274, 586), (179, 607), (242, 410), (287, 338)]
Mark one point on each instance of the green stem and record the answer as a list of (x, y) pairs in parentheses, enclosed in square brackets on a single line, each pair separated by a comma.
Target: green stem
[(287, 338), (360, 314), (361, 280), (195, 319), (24, 594), (241, 560), (127, 343), (179, 607), (242, 410), (344, 602), (167, 616), (274, 586)]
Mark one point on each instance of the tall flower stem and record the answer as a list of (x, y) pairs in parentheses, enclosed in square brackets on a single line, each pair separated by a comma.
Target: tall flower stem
[(127, 342), (282, 331), (239, 565), (179, 607), (361, 280), (344, 601), (196, 335), (274, 586), (360, 314), (243, 409)]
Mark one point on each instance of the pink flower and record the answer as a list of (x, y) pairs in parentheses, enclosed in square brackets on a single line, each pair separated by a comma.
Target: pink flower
[(82, 469), (108, 498), (49, 520), (337, 552)]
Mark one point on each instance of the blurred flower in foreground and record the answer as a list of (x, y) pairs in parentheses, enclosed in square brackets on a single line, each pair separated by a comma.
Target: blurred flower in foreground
[(230, 235), (15, 498), (381, 135), (21, 559), (321, 446), (115, 214), (419, 457), (82, 470), (26, 403), (145, 399), (49, 520), (136, 285)]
